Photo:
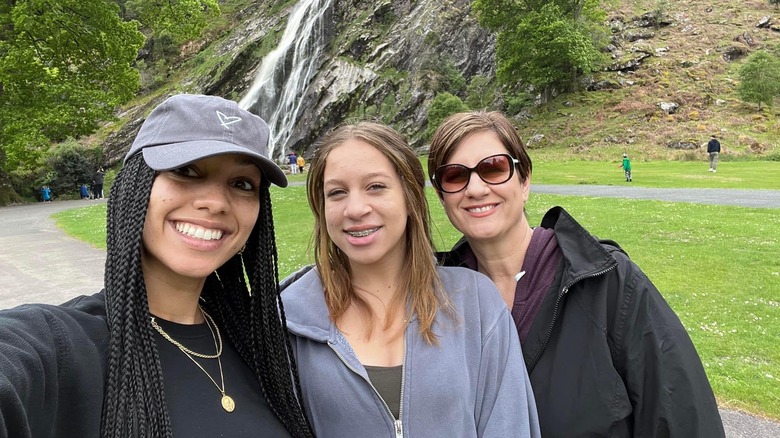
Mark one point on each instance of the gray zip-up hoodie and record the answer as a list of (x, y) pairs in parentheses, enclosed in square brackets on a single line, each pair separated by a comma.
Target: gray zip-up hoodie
[(472, 384)]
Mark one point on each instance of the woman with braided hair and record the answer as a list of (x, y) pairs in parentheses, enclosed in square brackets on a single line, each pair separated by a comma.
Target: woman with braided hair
[(188, 337)]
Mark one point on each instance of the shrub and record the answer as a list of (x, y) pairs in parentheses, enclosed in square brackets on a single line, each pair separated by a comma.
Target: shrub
[(480, 93), (443, 106), (515, 103), (70, 165)]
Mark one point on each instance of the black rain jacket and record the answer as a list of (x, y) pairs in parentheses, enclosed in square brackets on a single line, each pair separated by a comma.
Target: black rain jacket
[(606, 355)]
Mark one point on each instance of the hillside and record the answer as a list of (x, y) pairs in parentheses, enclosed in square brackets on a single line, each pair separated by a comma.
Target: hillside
[(386, 60), (687, 66)]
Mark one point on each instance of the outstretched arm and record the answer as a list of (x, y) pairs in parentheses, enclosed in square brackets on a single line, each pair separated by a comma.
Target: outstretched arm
[(51, 375)]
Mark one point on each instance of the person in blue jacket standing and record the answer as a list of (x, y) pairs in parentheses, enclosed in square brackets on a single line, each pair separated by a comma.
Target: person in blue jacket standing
[(292, 159), (46, 194), (387, 343)]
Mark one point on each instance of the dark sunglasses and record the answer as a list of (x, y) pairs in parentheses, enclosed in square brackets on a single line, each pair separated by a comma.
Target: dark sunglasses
[(495, 169)]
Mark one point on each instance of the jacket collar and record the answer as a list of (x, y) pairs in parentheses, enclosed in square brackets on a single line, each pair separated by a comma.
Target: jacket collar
[(583, 254)]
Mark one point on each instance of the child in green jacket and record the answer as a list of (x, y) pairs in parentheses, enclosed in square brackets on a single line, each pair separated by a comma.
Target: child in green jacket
[(626, 167)]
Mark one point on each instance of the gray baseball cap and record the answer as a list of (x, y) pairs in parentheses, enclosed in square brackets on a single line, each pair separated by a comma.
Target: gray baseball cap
[(189, 127)]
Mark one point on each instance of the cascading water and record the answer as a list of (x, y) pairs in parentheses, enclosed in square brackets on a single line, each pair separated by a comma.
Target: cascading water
[(284, 73)]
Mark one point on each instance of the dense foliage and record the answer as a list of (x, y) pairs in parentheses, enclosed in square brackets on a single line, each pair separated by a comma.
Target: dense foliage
[(760, 79), (443, 105), (64, 66), (480, 93), (67, 65), (183, 20), (544, 44), (70, 165)]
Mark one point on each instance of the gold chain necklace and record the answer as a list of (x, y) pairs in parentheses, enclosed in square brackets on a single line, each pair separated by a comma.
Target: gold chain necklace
[(228, 404), (187, 350)]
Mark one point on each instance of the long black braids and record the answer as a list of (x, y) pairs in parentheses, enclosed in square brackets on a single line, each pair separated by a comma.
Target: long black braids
[(134, 400), (254, 319)]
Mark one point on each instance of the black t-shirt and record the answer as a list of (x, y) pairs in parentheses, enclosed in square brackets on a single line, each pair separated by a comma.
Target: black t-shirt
[(387, 381), (194, 402)]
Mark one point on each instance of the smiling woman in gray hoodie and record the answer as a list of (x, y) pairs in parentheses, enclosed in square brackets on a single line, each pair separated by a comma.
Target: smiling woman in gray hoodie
[(387, 343)]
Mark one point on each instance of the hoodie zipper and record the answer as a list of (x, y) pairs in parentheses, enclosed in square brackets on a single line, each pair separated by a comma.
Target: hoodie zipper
[(564, 291), (399, 429)]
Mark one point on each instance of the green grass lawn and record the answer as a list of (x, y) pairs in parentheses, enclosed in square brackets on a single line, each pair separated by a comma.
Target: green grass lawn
[(717, 266), (661, 174)]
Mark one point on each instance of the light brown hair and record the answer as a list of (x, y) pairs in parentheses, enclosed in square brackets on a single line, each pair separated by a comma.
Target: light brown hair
[(421, 287)]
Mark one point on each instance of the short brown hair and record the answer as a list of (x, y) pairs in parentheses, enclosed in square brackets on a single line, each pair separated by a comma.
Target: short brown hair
[(458, 126)]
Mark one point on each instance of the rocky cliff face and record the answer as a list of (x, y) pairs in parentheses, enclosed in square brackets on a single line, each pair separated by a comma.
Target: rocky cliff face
[(382, 60), (385, 60)]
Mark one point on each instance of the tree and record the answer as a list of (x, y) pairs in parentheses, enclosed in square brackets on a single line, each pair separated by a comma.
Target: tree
[(182, 19), (760, 79), (544, 44), (480, 93), (64, 66), (71, 164), (443, 106), (440, 74)]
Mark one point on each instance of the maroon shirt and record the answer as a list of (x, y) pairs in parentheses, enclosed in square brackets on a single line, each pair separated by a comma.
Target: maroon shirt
[(540, 264)]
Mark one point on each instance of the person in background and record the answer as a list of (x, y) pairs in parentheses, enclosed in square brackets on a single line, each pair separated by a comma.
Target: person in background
[(301, 163), (387, 343), (83, 191), (46, 194), (292, 159), (606, 354), (97, 183), (713, 150), (626, 166), (188, 337)]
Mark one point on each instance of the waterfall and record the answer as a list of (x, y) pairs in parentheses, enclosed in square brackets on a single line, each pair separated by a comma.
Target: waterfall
[(284, 73)]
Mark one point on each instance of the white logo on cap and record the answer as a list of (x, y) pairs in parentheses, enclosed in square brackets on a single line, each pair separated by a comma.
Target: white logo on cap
[(227, 120)]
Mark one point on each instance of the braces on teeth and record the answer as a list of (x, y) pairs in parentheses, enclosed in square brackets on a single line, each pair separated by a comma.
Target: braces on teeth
[(363, 233)]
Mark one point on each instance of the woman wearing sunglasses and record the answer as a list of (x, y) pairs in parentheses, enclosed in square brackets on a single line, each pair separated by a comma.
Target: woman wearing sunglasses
[(606, 354)]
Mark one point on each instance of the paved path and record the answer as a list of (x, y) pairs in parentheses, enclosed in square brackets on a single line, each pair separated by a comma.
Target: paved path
[(38, 263), (736, 197)]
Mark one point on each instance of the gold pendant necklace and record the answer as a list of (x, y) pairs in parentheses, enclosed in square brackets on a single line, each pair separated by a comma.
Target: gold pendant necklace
[(186, 350), (228, 404)]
